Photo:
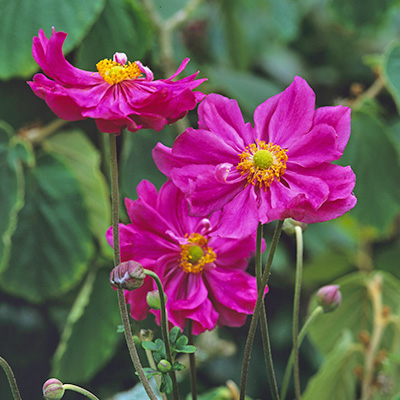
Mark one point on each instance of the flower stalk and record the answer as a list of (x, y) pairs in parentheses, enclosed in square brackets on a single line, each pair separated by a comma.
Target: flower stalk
[(117, 260), (164, 329), (11, 379), (78, 389), (257, 309), (296, 307), (192, 361)]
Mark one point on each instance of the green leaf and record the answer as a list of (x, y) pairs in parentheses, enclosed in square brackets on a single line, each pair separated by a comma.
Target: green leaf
[(52, 243), (248, 89), (149, 372), (177, 366), (181, 342), (84, 160), (105, 38), (89, 338), (372, 154), (220, 393), (391, 70), (173, 334), (20, 21), (355, 312), (166, 384), (152, 346), (336, 379), (186, 349)]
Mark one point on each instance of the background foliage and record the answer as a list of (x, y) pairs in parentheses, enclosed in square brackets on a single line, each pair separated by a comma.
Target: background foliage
[(58, 315)]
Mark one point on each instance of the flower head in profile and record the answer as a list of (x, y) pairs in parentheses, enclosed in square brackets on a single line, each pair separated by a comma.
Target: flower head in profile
[(279, 168), (121, 94), (203, 277)]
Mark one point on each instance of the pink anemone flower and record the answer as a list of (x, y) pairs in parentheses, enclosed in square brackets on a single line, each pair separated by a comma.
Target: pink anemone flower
[(120, 95), (203, 277), (280, 168)]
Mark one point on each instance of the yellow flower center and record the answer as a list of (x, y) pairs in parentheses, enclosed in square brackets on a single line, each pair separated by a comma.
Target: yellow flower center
[(263, 163), (113, 72), (196, 254)]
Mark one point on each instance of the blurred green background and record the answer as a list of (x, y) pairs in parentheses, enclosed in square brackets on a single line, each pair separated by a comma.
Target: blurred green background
[(58, 315)]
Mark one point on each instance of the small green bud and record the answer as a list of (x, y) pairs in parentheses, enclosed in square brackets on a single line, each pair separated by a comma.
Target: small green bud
[(153, 299), (289, 224), (329, 297), (53, 389), (164, 366), (128, 275)]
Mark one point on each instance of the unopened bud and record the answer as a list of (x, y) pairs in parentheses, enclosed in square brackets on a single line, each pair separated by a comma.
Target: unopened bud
[(128, 275), (164, 366), (329, 297), (153, 299), (289, 224), (53, 389), (120, 58)]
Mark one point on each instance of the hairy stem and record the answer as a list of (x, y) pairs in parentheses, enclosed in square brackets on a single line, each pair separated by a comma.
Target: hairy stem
[(192, 360), (296, 307), (257, 309), (11, 379), (117, 260)]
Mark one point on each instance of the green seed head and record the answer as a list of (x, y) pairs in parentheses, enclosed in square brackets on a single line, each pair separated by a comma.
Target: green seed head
[(195, 254), (263, 159)]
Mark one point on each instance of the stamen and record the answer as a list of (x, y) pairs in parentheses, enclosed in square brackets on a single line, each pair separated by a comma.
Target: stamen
[(196, 254), (113, 72), (263, 163)]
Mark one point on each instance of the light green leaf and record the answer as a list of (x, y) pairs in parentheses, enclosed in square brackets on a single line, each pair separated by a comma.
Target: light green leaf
[(105, 38), (373, 156), (90, 336), (20, 21), (84, 160), (391, 70), (52, 243), (336, 379), (355, 312)]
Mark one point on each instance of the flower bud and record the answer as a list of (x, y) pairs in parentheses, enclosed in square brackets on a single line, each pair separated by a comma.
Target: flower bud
[(120, 58), (53, 389), (128, 275), (329, 297), (153, 299), (164, 366), (289, 224)]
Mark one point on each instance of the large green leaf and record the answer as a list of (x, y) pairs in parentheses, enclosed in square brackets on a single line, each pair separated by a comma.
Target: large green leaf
[(372, 154), (105, 38), (52, 243), (336, 379), (20, 20), (391, 70), (355, 313), (90, 335), (84, 160)]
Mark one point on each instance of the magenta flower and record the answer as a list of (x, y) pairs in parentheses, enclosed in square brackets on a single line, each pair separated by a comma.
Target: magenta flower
[(204, 277), (279, 168), (120, 95)]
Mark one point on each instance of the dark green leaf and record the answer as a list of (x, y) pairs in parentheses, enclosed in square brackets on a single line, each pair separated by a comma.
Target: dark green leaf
[(53, 233), (151, 346), (391, 70), (186, 349), (177, 366), (336, 378), (174, 333), (89, 338), (84, 161), (372, 154), (20, 20), (166, 384), (181, 342), (149, 372)]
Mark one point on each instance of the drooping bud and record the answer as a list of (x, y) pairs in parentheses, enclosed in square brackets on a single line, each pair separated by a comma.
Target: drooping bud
[(128, 275), (329, 297), (53, 389), (120, 58), (289, 224), (153, 299), (164, 366)]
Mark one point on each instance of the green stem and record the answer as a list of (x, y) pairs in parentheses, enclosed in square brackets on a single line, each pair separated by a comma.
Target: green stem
[(296, 308), (257, 309), (91, 396), (117, 260), (192, 360), (164, 328), (264, 323), (317, 311), (11, 379)]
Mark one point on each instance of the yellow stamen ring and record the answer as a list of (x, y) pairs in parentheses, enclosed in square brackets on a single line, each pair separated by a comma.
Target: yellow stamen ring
[(196, 254), (113, 72), (263, 163)]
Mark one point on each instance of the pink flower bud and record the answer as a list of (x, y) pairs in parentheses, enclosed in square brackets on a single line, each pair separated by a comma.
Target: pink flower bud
[(120, 58), (329, 297), (53, 389), (128, 275)]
